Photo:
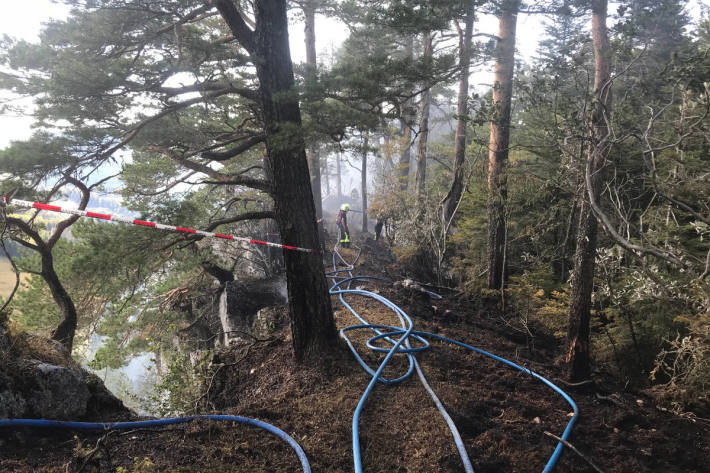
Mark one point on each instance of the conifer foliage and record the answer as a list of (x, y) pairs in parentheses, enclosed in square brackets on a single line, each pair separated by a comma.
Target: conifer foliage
[(568, 190)]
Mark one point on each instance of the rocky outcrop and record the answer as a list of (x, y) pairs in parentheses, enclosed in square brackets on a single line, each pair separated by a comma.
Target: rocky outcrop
[(250, 309), (53, 391), (38, 379)]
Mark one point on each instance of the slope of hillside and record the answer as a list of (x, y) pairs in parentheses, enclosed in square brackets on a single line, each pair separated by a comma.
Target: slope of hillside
[(501, 414)]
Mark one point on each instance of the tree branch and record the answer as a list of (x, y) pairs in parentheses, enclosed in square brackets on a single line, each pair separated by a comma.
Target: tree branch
[(27, 229), (208, 87), (128, 136), (64, 224), (609, 227), (236, 151), (169, 186), (259, 184), (574, 449), (244, 171), (258, 215), (219, 178), (236, 23), (193, 15)]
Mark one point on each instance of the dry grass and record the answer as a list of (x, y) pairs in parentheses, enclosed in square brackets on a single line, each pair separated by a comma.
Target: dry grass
[(32, 347), (7, 278)]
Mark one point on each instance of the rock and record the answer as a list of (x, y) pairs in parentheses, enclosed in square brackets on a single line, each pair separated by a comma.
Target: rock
[(39, 379), (102, 404), (267, 320), (240, 304), (55, 392), (4, 342), (12, 404)]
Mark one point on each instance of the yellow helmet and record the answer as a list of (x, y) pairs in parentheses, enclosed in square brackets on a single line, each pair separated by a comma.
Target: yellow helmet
[(345, 207)]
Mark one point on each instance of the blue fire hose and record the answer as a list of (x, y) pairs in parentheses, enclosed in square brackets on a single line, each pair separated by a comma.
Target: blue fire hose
[(101, 426), (399, 338)]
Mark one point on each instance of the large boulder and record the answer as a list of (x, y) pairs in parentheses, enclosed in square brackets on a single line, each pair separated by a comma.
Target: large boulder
[(231, 312), (39, 379), (12, 403), (241, 307), (53, 391)]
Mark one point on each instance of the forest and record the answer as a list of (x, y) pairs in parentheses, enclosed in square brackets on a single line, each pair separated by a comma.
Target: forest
[(199, 224)]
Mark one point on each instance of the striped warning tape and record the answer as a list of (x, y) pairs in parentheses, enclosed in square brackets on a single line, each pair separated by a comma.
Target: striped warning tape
[(143, 223)]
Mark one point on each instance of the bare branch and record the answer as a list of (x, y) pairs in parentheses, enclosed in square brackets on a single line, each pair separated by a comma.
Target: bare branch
[(250, 94), (572, 447), (707, 267), (169, 186), (609, 227), (259, 184), (244, 171), (196, 14)]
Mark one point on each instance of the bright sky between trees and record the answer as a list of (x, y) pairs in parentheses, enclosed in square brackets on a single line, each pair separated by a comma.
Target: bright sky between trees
[(24, 19)]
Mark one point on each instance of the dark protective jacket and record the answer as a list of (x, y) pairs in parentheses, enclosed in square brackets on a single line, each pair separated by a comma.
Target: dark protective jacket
[(342, 220)]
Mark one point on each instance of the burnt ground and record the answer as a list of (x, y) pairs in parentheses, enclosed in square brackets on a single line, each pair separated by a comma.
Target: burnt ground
[(502, 414)]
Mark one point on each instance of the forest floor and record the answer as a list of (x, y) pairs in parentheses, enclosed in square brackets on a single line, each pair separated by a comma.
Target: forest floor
[(501, 413)]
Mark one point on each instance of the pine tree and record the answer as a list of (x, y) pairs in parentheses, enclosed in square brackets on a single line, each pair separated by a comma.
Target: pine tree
[(109, 58), (584, 261), (500, 141)]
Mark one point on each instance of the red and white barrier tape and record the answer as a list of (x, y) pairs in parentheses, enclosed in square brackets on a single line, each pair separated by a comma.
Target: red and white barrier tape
[(142, 223)]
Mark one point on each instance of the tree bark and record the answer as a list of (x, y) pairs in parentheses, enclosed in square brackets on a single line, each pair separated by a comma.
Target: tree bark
[(451, 201), (405, 156), (326, 174), (338, 176), (312, 325), (309, 13), (424, 107), (405, 122), (582, 281), (363, 182), (500, 140), (65, 331)]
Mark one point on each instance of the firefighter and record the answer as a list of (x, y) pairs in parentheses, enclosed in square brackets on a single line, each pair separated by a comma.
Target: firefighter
[(379, 223), (342, 222)]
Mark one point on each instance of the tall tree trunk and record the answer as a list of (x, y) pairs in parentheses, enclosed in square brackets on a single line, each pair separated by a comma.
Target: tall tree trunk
[(500, 140), (65, 331), (405, 123), (363, 181), (309, 13), (424, 106), (451, 200), (312, 325), (405, 156), (339, 176), (326, 174), (582, 281)]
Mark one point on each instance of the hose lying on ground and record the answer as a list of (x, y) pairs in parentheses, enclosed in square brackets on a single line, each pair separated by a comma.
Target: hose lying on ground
[(399, 338), (106, 426)]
